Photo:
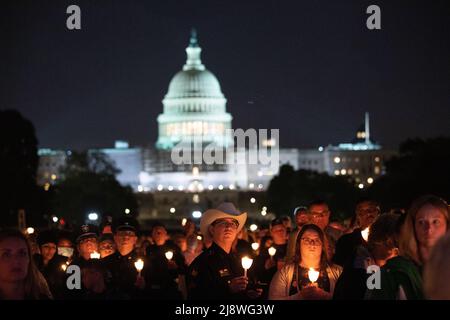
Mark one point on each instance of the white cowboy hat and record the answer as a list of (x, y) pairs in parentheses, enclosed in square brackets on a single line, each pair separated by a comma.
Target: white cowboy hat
[(224, 210)]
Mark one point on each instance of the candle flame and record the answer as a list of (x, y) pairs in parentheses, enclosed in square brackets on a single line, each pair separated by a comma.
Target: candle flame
[(246, 262), (139, 264), (272, 251), (365, 234), (255, 246), (169, 255), (313, 275), (95, 255)]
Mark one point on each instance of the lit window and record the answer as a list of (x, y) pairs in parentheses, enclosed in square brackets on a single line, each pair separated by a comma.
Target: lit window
[(195, 171), (377, 159), (220, 187), (160, 187), (195, 198), (337, 172)]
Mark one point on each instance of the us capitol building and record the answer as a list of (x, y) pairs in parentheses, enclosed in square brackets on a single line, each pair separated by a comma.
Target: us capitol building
[(194, 107)]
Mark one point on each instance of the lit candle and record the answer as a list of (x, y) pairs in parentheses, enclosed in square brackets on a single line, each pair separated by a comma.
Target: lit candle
[(95, 255), (139, 265), (64, 267), (313, 275), (30, 230), (169, 255), (255, 246), (246, 264), (272, 252), (365, 234)]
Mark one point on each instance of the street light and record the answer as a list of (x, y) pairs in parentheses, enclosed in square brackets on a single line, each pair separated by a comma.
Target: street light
[(196, 214), (93, 216), (55, 219)]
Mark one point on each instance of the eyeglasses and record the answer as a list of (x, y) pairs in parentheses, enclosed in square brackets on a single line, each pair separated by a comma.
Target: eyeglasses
[(322, 214), (106, 247), (312, 242), (224, 224)]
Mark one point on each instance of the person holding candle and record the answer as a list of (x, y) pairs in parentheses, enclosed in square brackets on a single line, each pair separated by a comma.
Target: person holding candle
[(217, 273), (427, 220), (49, 263), (87, 244), (352, 253), (124, 280), (366, 212), (272, 259), (19, 277), (166, 261), (310, 277)]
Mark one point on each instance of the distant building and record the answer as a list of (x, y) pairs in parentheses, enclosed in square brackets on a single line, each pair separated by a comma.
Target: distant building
[(194, 108)]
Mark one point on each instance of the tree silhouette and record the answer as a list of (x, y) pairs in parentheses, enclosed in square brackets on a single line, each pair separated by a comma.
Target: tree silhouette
[(89, 184), (422, 167), (291, 188)]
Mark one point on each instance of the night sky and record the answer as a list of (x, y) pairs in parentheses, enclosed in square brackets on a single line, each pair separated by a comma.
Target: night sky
[(309, 68)]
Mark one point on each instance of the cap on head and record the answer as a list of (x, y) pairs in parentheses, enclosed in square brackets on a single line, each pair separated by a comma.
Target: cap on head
[(125, 224), (87, 231), (223, 211)]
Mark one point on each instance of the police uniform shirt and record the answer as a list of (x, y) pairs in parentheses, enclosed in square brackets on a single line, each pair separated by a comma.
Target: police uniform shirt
[(210, 273), (121, 274)]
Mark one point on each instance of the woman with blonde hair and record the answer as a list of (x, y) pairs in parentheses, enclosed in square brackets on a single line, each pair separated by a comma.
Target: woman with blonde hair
[(19, 277), (426, 221), (310, 277)]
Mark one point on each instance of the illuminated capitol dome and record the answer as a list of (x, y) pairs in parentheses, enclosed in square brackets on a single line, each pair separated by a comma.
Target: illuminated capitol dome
[(194, 106)]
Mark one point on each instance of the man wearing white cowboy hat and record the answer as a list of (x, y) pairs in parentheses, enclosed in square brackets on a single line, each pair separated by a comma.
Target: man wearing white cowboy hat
[(217, 272)]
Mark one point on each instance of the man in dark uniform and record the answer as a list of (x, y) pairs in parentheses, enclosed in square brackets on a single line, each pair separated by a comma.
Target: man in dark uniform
[(92, 282), (267, 266), (170, 271), (123, 278), (87, 244), (217, 273)]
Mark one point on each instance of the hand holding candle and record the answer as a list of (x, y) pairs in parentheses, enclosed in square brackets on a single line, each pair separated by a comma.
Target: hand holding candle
[(139, 264), (246, 264)]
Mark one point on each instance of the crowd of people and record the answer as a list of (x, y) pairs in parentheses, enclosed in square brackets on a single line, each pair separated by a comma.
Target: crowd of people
[(310, 259)]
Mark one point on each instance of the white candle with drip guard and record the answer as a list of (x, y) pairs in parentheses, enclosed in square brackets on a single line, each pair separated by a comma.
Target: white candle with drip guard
[(246, 264)]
